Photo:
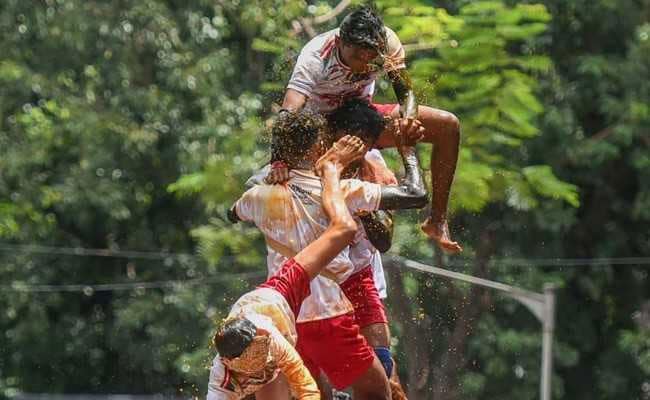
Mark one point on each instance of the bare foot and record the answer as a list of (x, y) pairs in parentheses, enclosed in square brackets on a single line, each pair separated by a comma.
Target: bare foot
[(345, 151), (439, 233)]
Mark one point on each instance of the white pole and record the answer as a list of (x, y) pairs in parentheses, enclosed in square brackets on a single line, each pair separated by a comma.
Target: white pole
[(547, 341)]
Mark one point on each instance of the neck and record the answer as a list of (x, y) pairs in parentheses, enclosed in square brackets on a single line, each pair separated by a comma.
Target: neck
[(341, 55)]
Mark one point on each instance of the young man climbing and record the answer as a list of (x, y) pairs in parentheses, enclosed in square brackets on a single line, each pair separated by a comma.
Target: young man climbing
[(290, 216), (256, 341), (344, 63)]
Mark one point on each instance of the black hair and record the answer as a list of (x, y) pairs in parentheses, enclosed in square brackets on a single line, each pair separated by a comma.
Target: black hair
[(295, 132), (364, 27), (234, 337), (357, 117)]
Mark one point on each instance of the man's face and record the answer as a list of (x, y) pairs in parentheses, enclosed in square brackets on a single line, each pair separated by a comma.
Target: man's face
[(359, 59)]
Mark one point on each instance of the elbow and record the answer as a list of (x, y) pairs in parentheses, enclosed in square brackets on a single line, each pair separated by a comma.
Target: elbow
[(232, 216), (383, 245)]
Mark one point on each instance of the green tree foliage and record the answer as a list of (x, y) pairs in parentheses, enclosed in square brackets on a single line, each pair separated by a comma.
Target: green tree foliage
[(133, 125)]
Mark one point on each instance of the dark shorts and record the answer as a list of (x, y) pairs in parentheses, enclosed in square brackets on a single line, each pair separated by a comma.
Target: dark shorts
[(292, 281)]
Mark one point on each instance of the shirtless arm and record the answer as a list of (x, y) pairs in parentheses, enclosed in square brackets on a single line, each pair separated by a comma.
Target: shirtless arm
[(293, 100), (379, 229), (342, 227), (403, 88)]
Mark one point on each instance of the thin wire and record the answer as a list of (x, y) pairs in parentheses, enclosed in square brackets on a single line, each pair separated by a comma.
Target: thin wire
[(86, 252), (161, 255), (89, 289), (558, 262)]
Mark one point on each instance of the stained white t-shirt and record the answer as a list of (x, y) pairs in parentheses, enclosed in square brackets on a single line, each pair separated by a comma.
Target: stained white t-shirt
[(320, 74), (292, 215)]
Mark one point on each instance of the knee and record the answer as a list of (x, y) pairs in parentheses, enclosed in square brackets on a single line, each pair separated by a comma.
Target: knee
[(452, 122), (448, 122), (440, 121)]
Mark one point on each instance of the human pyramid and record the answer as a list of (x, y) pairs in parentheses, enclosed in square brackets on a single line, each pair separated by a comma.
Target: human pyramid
[(324, 207)]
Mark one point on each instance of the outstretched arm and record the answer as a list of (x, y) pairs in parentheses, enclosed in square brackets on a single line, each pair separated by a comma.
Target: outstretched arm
[(411, 193), (409, 125), (342, 227), (403, 88), (293, 100)]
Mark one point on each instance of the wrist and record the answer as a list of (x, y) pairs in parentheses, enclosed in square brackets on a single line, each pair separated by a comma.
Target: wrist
[(278, 164), (406, 150)]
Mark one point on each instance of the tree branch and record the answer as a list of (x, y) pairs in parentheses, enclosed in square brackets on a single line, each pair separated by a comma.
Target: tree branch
[(307, 24), (332, 14)]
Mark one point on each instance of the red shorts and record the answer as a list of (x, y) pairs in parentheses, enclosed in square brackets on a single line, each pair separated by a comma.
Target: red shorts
[(384, 109), (360, 289), (292, 282), (336, 347)]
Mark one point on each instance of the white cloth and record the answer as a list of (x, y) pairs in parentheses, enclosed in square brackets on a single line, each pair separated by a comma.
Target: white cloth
[(320, 74), (292, 215), (270, 308)]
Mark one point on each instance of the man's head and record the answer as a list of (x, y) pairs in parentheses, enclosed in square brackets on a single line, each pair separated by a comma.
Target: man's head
[(297, 135), (363, 38), (356, 117), (234, 337)]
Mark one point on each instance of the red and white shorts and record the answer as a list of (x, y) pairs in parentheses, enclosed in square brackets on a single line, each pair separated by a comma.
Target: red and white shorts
[(362, 292), (336, 347)]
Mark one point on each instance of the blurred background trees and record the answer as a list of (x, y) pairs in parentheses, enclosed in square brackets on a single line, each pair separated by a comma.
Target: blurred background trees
[(132, 126)]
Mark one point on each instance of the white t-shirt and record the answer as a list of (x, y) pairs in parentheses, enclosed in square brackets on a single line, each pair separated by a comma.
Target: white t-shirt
[(226, 384), (320, 74), (268, 310), (292, 215)]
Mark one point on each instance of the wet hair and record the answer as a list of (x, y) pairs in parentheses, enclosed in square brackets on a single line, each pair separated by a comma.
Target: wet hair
[(357, 117), (234, 337), (364, 27), (295, 132)]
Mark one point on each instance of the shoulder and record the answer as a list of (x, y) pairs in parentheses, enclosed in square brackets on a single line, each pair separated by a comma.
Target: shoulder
[(392, 37), (395, 51), (321, 45), (220, 377)]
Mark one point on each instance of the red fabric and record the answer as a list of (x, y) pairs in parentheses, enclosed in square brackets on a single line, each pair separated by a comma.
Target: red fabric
[(360, 289), (335, 346), (384, 109), (292, 282)]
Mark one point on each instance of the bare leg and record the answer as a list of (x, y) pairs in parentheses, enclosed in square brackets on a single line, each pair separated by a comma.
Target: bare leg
[(373, 384), (325, 387), (378, 335), (442, 129)]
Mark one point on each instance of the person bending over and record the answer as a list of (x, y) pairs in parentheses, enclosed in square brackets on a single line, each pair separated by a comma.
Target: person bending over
[(291, 216), (255, 342)]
